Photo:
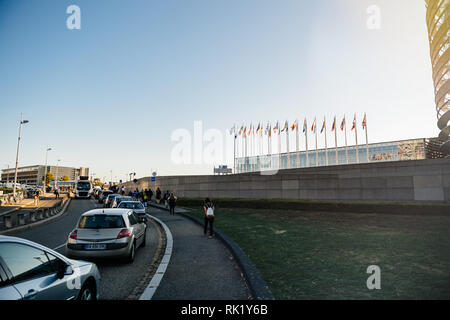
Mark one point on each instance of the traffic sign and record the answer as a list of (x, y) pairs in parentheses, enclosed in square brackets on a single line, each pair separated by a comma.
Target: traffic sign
[(152, 179)]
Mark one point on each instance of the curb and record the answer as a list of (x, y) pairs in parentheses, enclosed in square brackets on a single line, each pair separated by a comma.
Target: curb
[(256, 284), (37, 223)]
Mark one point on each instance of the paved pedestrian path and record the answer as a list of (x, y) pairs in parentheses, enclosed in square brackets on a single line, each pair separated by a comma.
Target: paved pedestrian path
[(200, 268)]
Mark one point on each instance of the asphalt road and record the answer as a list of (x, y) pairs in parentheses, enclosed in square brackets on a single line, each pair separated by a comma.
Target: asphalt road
[(119, 279)]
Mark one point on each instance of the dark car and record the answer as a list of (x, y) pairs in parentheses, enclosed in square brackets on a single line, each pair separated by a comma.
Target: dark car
[(108, 201), (118, 200), (103, 195)]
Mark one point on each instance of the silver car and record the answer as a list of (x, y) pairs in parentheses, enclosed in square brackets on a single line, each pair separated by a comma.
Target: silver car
[(136, 206), (118, 200), (107, 233), (30, 271)]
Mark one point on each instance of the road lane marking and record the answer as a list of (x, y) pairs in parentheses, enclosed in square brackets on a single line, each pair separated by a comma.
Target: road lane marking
[(157, 277)]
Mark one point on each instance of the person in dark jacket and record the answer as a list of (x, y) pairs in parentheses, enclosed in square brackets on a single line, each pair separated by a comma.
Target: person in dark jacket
[(158, 195), (172, 203), (209, 217)]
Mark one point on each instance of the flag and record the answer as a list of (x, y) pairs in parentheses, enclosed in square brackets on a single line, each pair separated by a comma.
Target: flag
[(250, 130), (354, 123), (241, 130), (286, 126), (276, 128), (313, 127), (244, 134), (323, 125), (334, 124), (270, 131), (295, 125), (259, 126), (267, 128), (342, 124), (364, 122), (233, 129), (305, 126)]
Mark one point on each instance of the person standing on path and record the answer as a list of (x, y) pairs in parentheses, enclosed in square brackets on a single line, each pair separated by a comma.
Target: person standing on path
[(36, 197), (209, 217), (172, 203), (158, 195)]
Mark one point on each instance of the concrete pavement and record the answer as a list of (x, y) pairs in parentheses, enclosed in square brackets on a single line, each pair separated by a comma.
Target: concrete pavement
[(200, 268)]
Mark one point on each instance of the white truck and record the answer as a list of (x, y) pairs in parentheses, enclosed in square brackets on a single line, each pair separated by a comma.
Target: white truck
[(83, 188)]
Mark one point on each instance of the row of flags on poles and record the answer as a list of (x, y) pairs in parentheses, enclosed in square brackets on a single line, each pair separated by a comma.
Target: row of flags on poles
[(244, 132), (253, 131)]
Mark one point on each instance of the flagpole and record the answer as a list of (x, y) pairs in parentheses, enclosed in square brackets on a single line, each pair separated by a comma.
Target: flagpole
[(288, 163), (297, 145), (367, 140), (335, 140), (326, 147), (317, 150), (345, 132), (234, 149), (279, 145), (306, 142), (356, 140)]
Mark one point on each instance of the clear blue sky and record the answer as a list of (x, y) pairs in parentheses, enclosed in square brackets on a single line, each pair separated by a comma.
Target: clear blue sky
[(110, 95)]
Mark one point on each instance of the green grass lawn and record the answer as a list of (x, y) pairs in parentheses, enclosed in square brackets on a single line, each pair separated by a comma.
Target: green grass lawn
[(319, 255)]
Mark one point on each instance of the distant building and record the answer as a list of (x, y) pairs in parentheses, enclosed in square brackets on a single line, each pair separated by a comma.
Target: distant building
[(414, 149), (34, 175), (438, 25)]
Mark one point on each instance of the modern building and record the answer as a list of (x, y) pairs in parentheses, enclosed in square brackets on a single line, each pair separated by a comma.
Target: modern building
[(438, 24), (414, 149), (34, 175)]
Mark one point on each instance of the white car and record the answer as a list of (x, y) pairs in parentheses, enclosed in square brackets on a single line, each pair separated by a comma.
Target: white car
[(107, 233), (30, 271), (136, 206)]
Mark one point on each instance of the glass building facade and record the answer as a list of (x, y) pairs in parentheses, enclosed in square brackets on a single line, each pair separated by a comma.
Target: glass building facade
[(376, 152)]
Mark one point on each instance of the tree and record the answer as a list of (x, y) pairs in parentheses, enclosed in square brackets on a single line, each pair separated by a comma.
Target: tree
[(65, 178), (49, 177), (97, 182)]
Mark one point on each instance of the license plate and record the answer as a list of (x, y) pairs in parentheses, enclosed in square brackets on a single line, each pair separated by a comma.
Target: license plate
[(95, 246)]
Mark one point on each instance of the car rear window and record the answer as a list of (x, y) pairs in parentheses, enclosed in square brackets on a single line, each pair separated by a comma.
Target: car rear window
[(131, 205), (101, 221)]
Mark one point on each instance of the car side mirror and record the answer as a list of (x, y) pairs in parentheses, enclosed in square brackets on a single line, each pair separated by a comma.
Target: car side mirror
[(65, 270)]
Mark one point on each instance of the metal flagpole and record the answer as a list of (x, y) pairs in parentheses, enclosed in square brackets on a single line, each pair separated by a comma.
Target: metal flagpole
[(346, 145), (279, 145), (335, 139), (288, 162), (297, 144), (305, 130), (356, 139), (326, 147), (367, 139), (317, 150)]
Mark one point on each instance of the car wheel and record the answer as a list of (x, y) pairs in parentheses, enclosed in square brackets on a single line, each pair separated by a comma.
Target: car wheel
[(132, 253), (87, 292)]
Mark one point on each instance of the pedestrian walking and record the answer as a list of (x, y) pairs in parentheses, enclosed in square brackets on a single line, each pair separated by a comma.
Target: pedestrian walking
[(209, 217), (36, 197), (172, 203), (158, 195), (57, 193)]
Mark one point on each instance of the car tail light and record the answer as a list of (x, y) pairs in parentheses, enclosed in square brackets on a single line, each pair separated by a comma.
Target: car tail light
[(124, 233), (73, 234)]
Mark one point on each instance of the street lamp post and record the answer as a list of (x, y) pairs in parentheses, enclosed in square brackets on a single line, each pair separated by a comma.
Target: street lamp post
[(17, 154), (56, 175), (45, 171)]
